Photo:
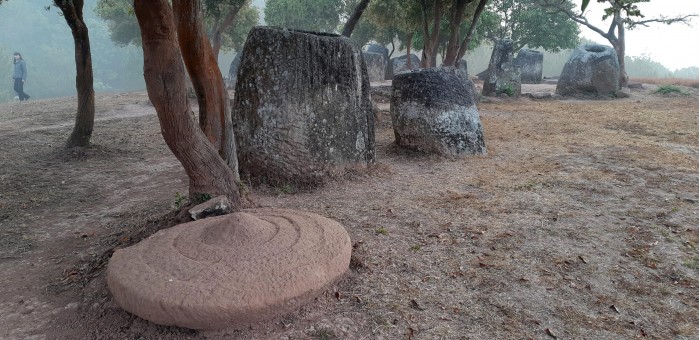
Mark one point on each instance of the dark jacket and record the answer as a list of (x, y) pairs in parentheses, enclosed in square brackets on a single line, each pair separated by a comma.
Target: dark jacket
[(20, 70)]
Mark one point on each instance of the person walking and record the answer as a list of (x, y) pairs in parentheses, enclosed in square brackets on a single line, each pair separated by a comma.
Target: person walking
[(20, 76)]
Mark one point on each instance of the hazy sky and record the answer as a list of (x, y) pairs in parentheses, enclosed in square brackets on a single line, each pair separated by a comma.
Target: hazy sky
[(674, 46)]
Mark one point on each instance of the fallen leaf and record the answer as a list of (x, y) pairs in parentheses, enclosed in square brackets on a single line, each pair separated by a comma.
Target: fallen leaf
[(337, 295), (550, 333), (583, 259), (613, 307)]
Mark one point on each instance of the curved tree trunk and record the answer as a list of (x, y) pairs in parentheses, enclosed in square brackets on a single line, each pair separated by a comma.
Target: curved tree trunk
[(85, 116), (472, 28), (165, 83), (201, 63), (220, 27), (355, 18), (458, 8)]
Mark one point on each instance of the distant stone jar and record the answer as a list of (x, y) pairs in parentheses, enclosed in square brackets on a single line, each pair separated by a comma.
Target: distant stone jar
[(376, 65), (433, 110), (503, 75), (400, 64), (303, 113), (530, 64), (591, 71), (389, 72)]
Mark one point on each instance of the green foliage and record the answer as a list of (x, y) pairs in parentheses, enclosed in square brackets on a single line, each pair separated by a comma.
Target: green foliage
[(667, 89), (46, 44), (529, 25), (124, 29), (381, 231), (198, 198), (311, 15), (180, 200), (234, 37)]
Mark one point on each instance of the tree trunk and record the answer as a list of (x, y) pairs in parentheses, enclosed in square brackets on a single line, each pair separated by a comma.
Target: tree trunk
[(85, 117), (355, 18), (221, 26), (458, 8), (430, 39), (472, 27), (165, 83), (620, 50), (201, 63)]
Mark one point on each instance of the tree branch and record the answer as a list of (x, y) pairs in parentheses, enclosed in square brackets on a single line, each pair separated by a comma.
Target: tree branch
[(663, 20)]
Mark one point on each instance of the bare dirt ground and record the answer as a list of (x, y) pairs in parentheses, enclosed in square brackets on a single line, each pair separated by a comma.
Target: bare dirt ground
[(580, 222)]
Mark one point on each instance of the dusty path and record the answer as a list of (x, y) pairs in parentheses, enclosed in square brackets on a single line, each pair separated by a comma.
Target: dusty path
[(581, 221)]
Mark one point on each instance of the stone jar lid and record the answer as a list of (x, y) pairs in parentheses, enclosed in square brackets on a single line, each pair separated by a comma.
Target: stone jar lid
[(231, 270)]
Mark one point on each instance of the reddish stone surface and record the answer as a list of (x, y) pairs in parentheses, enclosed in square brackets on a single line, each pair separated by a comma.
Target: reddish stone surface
[(230, 270)]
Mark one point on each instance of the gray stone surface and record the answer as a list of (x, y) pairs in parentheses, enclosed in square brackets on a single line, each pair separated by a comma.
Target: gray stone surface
[(389, 72), (376, 65), (503, 74), (233, 71), (303, 115), (401, 66), (433, 110), (530, 63), (591, 71), (214, 207), (230, 271)]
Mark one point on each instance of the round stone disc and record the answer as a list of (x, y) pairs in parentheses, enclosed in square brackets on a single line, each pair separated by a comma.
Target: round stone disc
[(230, 270)]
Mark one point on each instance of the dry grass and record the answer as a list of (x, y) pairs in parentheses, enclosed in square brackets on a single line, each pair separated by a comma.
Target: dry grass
[(580, 222), (668, 81)]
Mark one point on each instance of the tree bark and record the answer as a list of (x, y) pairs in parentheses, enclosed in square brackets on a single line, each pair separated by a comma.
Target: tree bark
[(221, 26), (620, 50), (472, 28), (430, 39), (208, 84), (355, 18), (85, 116), (458, 9), (165, 83)]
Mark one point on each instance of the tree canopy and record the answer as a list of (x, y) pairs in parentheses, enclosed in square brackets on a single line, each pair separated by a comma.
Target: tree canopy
[(124, 29), (525, 24), (310, 15), (622, 14)]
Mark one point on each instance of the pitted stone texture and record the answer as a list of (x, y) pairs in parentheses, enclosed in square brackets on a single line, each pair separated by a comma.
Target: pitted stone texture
[(376, 65), (303, 113), (401, 65), (530, 63), (231, 270), (503, 75), (389, 71), (591, 71), (462, 65), (433, 110)]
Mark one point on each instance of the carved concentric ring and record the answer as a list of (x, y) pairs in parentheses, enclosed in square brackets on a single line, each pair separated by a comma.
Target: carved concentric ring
[(229, 270)]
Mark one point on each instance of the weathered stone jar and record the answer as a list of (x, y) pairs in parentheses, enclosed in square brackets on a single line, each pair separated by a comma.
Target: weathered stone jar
[(376, 65), (503, 76), (302, 111), (433, 111), (592, 71), (530, 63)]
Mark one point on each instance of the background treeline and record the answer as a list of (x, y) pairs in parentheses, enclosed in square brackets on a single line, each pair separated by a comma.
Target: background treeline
[(37, 31)]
